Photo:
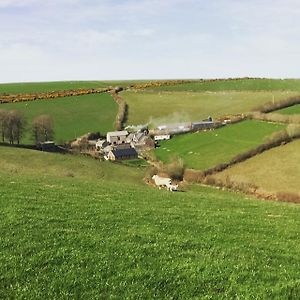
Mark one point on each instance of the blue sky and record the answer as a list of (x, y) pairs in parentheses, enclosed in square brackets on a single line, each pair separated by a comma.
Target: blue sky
[(145, 39)]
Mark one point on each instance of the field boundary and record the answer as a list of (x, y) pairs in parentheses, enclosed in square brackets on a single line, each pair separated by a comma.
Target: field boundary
[(50, 95), (122, 110)]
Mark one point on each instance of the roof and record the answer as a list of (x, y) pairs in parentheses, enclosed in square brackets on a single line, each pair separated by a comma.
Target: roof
[(124, 152), (117, 133)]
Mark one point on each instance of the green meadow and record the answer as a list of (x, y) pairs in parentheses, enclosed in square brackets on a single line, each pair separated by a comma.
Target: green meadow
[(72, 116), (162, 107), (76, 228), (38, 87), (262, 84), (292, 110), (276, 170), (203, 150)]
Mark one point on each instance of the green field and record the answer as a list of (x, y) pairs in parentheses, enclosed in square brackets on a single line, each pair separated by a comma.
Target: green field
[(204, 150), (38, 87), (237, 85), (73, 116), (103, 234), (162, 107), (292, 110), (276, 170)]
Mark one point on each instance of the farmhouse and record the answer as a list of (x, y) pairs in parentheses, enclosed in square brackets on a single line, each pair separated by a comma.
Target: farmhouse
[(122, 154), (101, 144), (116, 137)]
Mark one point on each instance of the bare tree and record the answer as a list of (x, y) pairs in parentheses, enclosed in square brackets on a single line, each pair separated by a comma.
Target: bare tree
[(42, 129), (3, 116), (14, 126)]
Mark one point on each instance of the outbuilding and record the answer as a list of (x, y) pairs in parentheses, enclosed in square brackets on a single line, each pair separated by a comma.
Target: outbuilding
[(116, 137), (122, 154)]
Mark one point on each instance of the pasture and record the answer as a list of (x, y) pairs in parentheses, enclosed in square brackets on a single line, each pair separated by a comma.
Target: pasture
[(292, 110), (38, 87), (276, 170), (73, 116), (165, 107), (203, 150), (262, 84), (101, 236)]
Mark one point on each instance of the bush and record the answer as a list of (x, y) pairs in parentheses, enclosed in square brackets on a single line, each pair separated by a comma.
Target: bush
[(288, 197), (175, 169), (193, 176)]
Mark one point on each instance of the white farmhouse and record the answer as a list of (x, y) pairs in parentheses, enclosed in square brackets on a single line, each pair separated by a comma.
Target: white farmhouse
[(116, 137)]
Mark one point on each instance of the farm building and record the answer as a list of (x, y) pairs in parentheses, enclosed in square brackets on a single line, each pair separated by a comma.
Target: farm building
[(116, 137), (101, 144), (202, 125), (162, 137), (122, 154)]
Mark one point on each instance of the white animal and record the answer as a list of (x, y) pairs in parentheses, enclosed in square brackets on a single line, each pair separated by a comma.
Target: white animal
[(162, 181)]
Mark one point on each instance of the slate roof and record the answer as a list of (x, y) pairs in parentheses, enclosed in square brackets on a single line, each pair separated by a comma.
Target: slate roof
[(118, 153), (117, 133)]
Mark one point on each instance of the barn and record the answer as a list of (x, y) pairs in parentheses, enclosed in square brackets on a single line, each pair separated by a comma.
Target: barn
[(122, 154)]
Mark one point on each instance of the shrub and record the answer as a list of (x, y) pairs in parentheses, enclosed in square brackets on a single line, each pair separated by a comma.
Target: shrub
[(175, 169), (288, 197), (193, 176)]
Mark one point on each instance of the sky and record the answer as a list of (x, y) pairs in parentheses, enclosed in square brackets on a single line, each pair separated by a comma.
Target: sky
[(43, 40)]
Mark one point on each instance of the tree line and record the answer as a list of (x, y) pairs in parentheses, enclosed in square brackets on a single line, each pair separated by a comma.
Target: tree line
[(13, 126)]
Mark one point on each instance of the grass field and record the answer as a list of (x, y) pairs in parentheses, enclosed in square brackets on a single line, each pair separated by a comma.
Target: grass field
[(73, 116), (203, 150), (37, 87), (184, 106), (276, 170), (292, 110), (106, 235), (237, 85)]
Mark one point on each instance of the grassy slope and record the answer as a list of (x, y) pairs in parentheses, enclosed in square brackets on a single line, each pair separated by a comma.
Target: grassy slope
[(93, 237), (277, 170), (36, 87), (73, 116), (238, 85), (176, 106), (204, 150), (292, 110)]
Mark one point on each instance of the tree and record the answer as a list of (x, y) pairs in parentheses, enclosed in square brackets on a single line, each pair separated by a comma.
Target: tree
[(42, 129), (13, 126), (3, 116)]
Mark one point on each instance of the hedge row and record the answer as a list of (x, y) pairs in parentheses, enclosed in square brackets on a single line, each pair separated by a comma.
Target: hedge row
[(50, 95), (272, 106), (278, 138), (157, 83), (122, 111), (275, 117)]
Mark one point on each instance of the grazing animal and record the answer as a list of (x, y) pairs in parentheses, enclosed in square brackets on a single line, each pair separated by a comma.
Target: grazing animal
[(162, 181)]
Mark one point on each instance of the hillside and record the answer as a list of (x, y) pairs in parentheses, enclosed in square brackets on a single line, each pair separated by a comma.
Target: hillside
[(72, 116), (204, 150), (239, 84), (276, 170), (108, 235), (165, 107), (38, 87)]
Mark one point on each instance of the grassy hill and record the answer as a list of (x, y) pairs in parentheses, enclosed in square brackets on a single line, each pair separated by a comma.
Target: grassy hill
[(37, 87), (73, 116), (276, 170), (103, 234), (203, 150), (160, 107), (237, 85)]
